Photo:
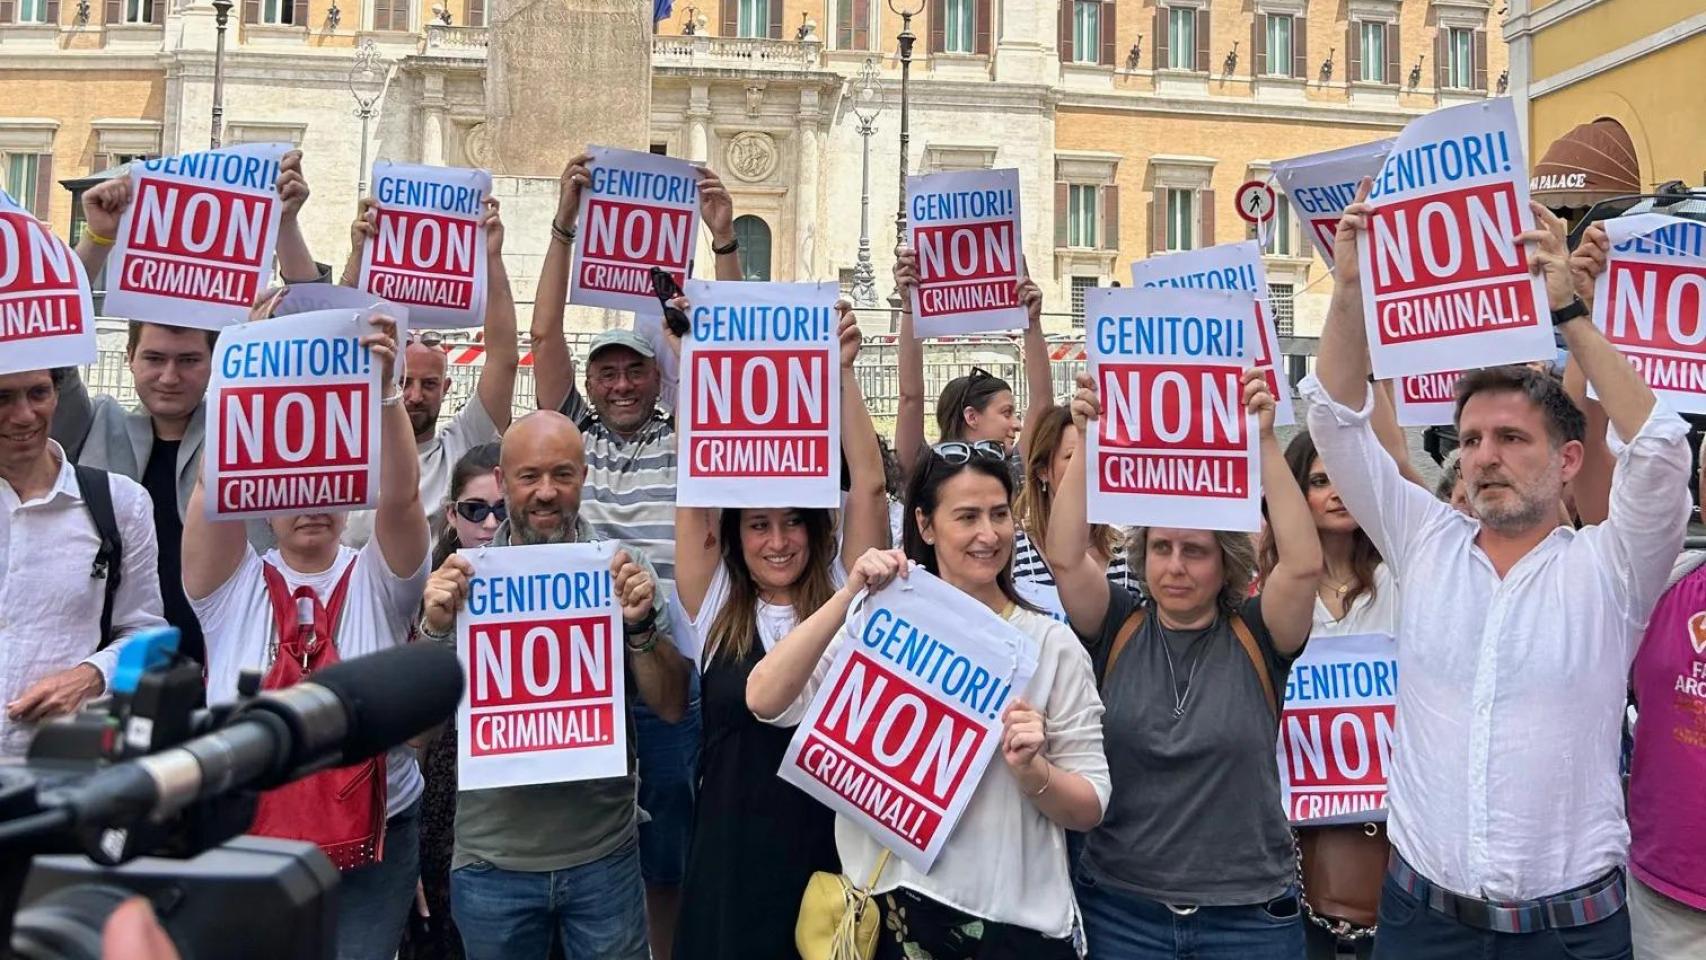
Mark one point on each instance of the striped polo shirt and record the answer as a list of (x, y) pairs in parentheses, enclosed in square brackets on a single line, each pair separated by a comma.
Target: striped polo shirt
[(630, 484)]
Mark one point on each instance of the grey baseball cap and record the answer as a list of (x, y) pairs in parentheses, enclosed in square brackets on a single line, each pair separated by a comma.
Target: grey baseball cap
[(620, 337)]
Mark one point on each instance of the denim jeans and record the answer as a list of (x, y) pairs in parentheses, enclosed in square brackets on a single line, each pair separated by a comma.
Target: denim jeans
[(666, 756), (598, 909), (1410, 930), (1123, 926), (374, 901)]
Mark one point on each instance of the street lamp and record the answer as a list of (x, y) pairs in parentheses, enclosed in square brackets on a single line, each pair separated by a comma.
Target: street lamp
[(906, 13), (221, 15), (867, 104), (366, 94)]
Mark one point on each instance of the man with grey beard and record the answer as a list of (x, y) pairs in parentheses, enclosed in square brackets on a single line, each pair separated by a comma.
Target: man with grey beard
[(563, 857), (1515, 633)]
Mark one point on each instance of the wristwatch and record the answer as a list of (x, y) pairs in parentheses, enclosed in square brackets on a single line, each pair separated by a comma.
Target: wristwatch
[(1573, 310)]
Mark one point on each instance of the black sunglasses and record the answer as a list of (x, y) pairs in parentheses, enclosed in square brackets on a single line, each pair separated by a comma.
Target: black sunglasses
[(959, 452), (666, 289), (476, 511)]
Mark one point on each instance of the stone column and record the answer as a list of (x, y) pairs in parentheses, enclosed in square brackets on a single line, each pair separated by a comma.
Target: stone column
[(432, 120), (699, 149), (806, 226)]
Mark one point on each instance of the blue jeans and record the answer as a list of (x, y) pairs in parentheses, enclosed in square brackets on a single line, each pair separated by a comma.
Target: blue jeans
[(598, 909), (1123, 926), (667, 756), (1410, 930), (374, 901)]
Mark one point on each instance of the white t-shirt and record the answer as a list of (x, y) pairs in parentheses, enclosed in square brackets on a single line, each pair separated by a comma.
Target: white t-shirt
[(1377, 614), (379, 607), (774, 620), (471, 427)]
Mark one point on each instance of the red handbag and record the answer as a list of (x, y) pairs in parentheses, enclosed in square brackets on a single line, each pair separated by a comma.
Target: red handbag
[(342, 809)]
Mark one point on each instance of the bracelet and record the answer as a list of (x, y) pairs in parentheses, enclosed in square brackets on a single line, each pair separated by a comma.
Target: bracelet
[(96, 238), (565, 237), (725, 251), (643, 647), (1048, 778), (429, 633), (395, 398)]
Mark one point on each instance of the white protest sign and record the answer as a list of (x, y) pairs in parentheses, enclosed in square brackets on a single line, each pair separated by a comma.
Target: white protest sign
[(46, 317), (540, 639), (760, 397), (306, 297), (428, 248), (195, 246), (909, 714), (964, 226), (1650, 302), (1173, 445), (1229, 266), (1443, 277), (1426, 399), (1321, 185), (293, 418), (1335, 739), (649, 325), (640, 211)]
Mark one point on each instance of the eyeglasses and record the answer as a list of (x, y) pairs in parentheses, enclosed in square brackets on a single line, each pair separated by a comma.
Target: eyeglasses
[(476, 511), (959, 452)]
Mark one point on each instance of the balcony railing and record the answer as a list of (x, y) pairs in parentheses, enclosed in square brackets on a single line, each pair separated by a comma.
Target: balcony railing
[(735, 53), (446, 41)]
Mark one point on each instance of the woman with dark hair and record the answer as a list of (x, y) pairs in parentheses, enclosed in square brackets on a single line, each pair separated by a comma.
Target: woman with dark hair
[(999, 887), (1054, 441), (1194, 857), (745, 579)]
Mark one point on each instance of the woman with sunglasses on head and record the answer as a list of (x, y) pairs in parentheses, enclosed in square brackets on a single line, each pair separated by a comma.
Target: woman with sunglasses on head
[(1195, 856), (999, 887), (1054, 442), (746, 577)]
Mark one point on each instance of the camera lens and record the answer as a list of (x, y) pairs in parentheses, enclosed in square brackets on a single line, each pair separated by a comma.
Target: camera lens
[(66, 924)]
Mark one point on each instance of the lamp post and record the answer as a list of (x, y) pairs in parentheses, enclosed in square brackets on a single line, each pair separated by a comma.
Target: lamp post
[(221, 15), (906, 12), (361, 87), (867, 104)]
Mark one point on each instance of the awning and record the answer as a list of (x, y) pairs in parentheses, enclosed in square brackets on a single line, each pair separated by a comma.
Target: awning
[(1593, 162)]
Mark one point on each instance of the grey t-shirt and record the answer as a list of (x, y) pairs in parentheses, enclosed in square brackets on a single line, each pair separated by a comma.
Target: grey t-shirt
[(1195, 816)]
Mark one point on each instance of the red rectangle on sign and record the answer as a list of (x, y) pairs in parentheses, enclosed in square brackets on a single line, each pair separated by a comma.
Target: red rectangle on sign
[(1680, 374), (1333, 803), (634, 233), (1175, 475), (1429, 387), (967, 251), (853, 781), (32, 259), (501, 732), (785, 391), (1340, 746), (40, 315), (1459, 236), (310, 492), (1325, 228), (298, 427), (1172, 406), (427, 243), (804, 456), (936, 301), (414, 289), (189, 280), (1661, 306), (200, 223), (1431, 314), (547, 661)]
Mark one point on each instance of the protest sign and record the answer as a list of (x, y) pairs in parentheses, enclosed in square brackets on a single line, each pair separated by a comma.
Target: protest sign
[(293, 418), (46, 317), (964, 227), (648, 324), (540, 639), (897, 738), (640, 211), (428, 248), (1426, 399), (195, 246), (761, 396), (1173, 445), (1321, 185), (1229, 266), (305, 297), (1650, 302), (1443, 277), (1335, 739)]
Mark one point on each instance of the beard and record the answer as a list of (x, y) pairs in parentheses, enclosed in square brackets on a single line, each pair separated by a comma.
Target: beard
[(523, 533), (1529, 505)]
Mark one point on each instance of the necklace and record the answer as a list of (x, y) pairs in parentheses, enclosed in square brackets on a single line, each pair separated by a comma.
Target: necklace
[(1179, 699)]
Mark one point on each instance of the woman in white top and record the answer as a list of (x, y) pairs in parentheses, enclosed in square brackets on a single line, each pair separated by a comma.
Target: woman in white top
[(999, 887)]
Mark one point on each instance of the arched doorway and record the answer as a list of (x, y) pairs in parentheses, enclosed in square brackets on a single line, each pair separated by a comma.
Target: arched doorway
[(754, 237)]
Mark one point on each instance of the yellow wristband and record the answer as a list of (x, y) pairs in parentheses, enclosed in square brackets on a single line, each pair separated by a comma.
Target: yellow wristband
[(96, 238)]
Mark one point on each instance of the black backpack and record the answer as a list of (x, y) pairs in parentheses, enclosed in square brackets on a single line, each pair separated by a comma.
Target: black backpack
[(109, 557)]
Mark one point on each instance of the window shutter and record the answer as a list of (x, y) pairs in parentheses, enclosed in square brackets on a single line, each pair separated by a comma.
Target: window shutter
[(861, 24), (252, 12), (1202, 41), (157, 11), (50, 11), (114, 12), (1300, 48), (1394, 55), (1442, 40), (1353, 52), (44, 184), (6, 11), (983, 15), (1110, 217), (938, 25), (1158, 220), (476, 15), (1479, 42), (1062, 210), (1065, 20), (727, 22), (1109, 34), (298, 12), (775, 11), (1160, 44), (1205, 218), (1259, 44)]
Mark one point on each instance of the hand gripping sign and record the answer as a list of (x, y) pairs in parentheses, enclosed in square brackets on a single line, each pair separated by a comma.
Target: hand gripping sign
[(196, 244), (899, 735), (1335, 739), (761, 396), (541, 642), (1229, 266), (1321, 185), (46, 318), (1173, 445), (1426, 399), (293, 418), (1650, 301), (640, 211), (428, 251), (965, 229), (1443, 277), (305, 297)]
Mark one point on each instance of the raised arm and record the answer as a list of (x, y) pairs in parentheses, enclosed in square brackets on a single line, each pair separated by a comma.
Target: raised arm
[(660, 673), (496, 387), (212, 549), (1343, 364), (1627, 399), (909, 415), (698, 550), (1385, 423), (399, 523), (1591, 486), (1039, 382), (865, 525), (365, 225), (717, 210), (1079, 574), (295, 262), (1288, 592), (103, 205), (553, 367)]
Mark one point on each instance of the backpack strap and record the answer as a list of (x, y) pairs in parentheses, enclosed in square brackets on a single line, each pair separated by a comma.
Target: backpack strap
[(97, 496), (1127, 630), (1247, 640)]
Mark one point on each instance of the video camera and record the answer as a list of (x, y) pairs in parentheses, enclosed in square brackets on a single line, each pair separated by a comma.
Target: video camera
[(142, 793)]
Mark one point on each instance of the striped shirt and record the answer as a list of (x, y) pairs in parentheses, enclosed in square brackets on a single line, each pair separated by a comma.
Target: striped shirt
[(630, 483), (1030, 567)]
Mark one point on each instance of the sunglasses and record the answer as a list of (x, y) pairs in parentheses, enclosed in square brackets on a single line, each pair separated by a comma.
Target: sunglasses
[(476, 511), (959, 452), (426, 338)]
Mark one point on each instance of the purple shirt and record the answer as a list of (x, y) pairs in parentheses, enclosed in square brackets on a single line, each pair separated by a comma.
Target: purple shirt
[(1667, 821)]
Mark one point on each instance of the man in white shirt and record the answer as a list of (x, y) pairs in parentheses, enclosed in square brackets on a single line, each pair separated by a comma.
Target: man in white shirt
[(51, 653), (1515, 634)]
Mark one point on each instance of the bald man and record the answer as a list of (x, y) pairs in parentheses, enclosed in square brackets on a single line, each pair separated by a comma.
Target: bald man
[(564, 856)]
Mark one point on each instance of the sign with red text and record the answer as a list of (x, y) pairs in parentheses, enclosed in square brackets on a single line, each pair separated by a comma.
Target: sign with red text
[(306, 297), (964, 227), (640, 211), (540, 639), (428, 249), (1650, 302), (195, 246), (1321, 185), (1335, 738), (899, 734), (1229, 266), (292, 418), (1443, 277), (760, 404), (1426, 399), (46, 317), (1173, 445)]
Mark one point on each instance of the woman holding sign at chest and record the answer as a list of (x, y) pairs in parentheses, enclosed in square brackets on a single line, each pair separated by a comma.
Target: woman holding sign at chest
[(746, 578), (1194, 857), (999, 886)]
